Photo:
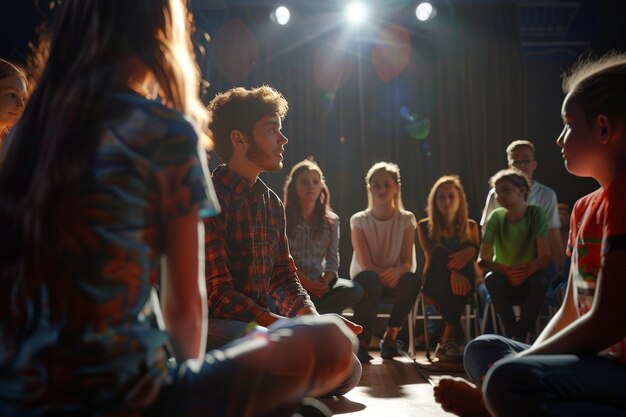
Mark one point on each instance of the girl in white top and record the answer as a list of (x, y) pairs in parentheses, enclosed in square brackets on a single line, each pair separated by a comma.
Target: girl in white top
[(383, 263)]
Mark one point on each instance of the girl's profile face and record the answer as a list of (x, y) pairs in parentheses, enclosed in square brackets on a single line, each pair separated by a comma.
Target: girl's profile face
[(383, 187), (579, 142), (308, 185), (447, 199), (508, 194), (13, 96)]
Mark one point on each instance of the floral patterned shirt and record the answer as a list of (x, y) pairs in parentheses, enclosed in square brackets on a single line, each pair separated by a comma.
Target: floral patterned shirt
[(89, 341)]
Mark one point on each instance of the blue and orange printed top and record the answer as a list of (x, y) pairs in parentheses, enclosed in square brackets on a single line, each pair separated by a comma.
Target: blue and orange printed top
[(147, 170)]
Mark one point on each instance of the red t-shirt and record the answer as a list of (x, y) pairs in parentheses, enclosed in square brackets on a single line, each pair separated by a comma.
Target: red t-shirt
[(597, 226)]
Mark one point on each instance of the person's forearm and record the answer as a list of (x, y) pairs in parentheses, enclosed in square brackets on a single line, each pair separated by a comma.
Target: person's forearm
[(186, 327), (307, 311), (305, 281), (469, 254), (556, 324), (266, 318), (493, 266), (287, 291), (538, 264), (584, 335), (183, 288), (403, 268), (328, 276), (598, 328)]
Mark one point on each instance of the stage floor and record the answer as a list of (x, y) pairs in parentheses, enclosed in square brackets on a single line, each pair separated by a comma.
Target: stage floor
[(395, 388)]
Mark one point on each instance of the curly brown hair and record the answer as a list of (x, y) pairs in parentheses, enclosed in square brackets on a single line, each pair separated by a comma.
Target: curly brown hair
[(240, 109)]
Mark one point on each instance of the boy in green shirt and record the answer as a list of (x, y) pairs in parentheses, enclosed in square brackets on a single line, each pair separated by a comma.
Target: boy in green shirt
[(516, 252)]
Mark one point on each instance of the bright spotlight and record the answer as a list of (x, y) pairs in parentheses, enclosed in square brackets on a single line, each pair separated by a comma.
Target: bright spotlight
[(281, 15), (425, 11), (356, 12)]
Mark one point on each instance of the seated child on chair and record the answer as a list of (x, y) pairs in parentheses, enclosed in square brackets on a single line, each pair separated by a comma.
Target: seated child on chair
[(384, 258), (450, 243), (515, 250)]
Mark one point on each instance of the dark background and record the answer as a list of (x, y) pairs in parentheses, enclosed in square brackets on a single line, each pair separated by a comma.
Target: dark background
[(445, 96)]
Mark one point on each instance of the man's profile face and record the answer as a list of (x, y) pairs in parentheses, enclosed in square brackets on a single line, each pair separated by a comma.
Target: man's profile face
[(266, 146)]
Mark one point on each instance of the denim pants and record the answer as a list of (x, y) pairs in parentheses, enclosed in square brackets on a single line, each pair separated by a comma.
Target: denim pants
[(546, 385), (343, 294), (223, 332), (529, 296), (437, 286), (404, 295), (243, 377)]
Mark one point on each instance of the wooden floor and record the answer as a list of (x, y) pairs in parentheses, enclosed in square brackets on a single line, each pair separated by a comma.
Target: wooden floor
[(395, 388)]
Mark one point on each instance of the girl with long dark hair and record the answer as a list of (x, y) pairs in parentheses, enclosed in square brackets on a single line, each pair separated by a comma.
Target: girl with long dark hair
[(102, 192), (450, 243), (313, 233)]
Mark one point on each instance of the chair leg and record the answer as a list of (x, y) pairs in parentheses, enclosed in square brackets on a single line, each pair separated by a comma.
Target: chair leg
[(483, 324), (477, 326), (411, 324), (426, 335), (489, 311), (467, 318), (494, 318)]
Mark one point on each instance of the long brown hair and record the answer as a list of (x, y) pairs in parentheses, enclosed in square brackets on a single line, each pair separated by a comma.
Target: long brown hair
[(461, 226), (322, 212), (92, 48)]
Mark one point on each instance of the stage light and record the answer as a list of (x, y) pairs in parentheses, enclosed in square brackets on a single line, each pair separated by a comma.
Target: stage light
[(281, 15), (425, 11), (356, 12)]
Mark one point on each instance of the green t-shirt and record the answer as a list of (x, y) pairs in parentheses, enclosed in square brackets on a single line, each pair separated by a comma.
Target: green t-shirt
[(515, 243)]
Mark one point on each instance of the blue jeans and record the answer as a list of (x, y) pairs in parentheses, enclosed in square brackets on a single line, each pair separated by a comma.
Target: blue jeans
[(529, 296), (264, 374), (222, 332), (404, 295), (437, 286), (343, 294), (548, 385)]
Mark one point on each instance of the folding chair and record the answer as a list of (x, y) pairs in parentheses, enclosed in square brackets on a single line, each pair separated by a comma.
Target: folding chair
[(471, 313)]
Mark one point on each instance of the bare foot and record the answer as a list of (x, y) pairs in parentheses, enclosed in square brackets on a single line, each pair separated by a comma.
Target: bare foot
[(460, 397)]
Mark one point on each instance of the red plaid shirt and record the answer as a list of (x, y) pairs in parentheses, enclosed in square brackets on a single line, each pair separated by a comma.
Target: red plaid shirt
[(247, 255)]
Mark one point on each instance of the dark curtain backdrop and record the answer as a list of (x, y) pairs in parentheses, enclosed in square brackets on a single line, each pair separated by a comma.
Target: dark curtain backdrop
[(438, 99)]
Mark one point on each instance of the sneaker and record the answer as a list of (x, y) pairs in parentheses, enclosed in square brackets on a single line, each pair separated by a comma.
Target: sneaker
[(312, 407), (363, 355), (389, 350), (449, 351)]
